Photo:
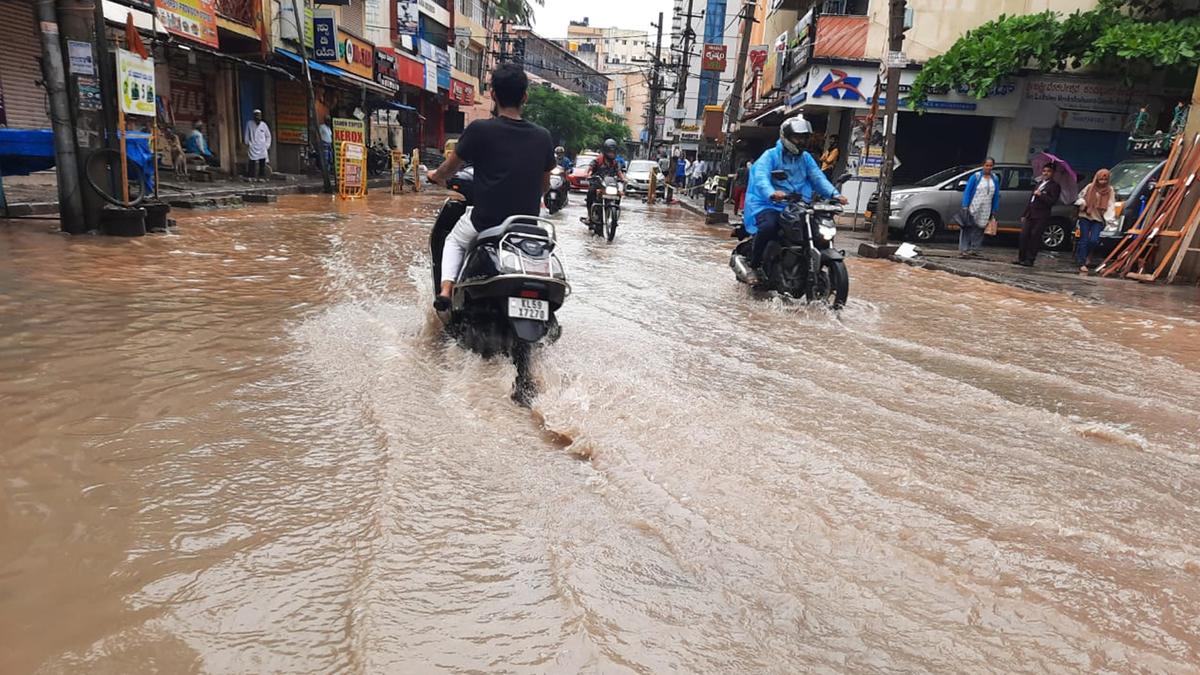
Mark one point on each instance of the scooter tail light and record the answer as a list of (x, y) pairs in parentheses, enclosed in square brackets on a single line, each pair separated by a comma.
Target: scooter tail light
[(530, 294)]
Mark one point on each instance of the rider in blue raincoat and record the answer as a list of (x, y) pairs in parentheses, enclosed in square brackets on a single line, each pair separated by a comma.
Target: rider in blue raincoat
[(765, 198)]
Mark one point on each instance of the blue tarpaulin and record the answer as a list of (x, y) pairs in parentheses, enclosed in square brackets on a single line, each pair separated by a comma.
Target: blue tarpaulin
[(315, 65), (23, 151), (137, 145)]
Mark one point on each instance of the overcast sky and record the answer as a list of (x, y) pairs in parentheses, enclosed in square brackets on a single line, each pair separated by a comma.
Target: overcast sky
[(551, 20)]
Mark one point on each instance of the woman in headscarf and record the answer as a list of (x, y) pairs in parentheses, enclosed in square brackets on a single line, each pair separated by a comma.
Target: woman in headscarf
[(1097, 210)]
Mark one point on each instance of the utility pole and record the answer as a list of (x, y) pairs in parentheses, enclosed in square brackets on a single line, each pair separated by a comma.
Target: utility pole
[(688, 36), (895, 45), (314, 132), (54, 78), (652, 123), (739, 80)]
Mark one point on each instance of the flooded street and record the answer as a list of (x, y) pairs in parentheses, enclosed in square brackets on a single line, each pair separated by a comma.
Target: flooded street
[(245, 448)]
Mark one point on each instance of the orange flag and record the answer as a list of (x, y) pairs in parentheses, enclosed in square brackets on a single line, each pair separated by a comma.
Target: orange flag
[(134, 39)]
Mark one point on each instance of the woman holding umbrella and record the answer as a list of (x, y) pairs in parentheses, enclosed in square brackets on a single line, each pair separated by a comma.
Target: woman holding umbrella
[(1046, 194)]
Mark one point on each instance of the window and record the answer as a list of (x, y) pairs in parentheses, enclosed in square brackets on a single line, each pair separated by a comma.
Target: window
[(469, 61)]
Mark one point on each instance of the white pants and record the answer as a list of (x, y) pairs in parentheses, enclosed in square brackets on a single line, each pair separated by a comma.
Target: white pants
[(455, 249)]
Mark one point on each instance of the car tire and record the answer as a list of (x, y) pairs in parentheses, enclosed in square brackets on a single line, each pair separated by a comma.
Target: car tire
[(923, 226), (1058, 236)]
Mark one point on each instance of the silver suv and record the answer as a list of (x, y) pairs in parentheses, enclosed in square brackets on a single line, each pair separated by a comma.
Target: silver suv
[(923, 210)]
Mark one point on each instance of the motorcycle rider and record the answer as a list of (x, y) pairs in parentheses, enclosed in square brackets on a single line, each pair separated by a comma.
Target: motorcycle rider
[(561, 159), (513, 159), (601, 167), (766, 200)]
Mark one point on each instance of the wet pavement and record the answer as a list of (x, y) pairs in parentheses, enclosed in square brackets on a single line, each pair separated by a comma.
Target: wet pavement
[(244, 448)]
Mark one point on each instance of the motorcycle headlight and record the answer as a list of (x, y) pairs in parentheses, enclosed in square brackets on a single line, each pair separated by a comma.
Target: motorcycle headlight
[(828, 232), (611, 191)]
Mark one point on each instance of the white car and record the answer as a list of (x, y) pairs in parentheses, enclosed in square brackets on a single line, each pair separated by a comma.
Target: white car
[(637, 176)]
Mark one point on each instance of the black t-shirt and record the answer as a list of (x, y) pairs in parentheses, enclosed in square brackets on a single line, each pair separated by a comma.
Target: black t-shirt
[(510, 158)]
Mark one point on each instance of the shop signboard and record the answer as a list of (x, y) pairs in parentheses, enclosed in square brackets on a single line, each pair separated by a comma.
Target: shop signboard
[(357, 56), (758, 59), (347, 130), (431, 76), (443, 78), (135, 83), (407, 18), (411, 71), (325, 47), (854, 87), (799, 48), (713, 59), (1080, 93), (195, 20), (386, 72), (291, 113), (431, 9), (462, 93), (1093, 120), (772, 74)]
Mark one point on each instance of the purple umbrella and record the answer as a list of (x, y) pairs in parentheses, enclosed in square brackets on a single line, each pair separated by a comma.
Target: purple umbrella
[(1064, 175)]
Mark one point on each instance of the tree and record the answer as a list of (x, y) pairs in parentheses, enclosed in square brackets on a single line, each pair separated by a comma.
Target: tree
[(572, 120), (519, 12), (1123, 38)]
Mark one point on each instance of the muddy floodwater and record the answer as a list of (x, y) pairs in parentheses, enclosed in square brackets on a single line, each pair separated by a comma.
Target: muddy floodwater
[(244, 448)]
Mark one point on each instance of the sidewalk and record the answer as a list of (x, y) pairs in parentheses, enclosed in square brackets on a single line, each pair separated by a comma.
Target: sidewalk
[(1055, 271), (36, 194)]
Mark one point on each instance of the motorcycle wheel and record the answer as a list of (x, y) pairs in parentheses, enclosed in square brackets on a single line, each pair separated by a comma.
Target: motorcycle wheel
[(612, 227), (833, 284)]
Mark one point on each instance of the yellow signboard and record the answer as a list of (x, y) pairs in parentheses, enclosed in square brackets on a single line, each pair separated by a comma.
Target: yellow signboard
[(135, 83)]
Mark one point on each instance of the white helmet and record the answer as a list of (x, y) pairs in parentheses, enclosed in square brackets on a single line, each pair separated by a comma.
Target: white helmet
[(796, 126)]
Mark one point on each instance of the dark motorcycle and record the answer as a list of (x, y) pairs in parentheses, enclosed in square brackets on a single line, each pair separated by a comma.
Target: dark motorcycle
[(379, 159), (606, 209), (510, 287), (802, 262), (556, 197)]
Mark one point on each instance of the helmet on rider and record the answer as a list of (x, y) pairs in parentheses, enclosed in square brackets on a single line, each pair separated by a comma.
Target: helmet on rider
[(795, 133), (610, 149), (560, 151)]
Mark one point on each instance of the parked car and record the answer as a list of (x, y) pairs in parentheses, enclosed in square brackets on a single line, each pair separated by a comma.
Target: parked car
[(925, 209), (1133, 180), (578, 178), (638, 177)]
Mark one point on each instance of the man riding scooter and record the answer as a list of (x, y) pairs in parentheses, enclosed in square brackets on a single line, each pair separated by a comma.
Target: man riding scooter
[(561, 159), (767, 199), (603, 166)]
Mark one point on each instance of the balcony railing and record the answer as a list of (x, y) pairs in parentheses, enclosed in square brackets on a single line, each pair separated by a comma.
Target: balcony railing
[(841, 36), (241, 11)]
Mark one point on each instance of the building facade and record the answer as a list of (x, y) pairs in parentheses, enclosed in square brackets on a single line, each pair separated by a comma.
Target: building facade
[(623, 55), (550, 62)]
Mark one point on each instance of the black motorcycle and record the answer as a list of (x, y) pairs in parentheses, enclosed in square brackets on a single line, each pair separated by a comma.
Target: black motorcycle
[(802, 262), (509, 289), (556, 197), (606, 208), (379, 159)]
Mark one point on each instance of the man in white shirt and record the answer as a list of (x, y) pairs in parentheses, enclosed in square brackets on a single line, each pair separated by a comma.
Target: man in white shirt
[(258, 141)]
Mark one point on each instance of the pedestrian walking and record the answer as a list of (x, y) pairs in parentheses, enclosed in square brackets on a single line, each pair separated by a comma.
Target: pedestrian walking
[(1037, 215), (1097, 210), (680, 172), (258, 140), (981, 199), (325, 132), (740, 181)]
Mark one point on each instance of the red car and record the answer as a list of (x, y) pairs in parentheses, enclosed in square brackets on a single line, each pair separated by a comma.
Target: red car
[(578, 177)]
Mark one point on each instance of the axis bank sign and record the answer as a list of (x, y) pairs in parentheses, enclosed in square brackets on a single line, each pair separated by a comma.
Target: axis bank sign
[(854, 87)]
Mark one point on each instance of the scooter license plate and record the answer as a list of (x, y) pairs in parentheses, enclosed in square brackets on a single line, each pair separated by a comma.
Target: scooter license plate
[(528, 308)]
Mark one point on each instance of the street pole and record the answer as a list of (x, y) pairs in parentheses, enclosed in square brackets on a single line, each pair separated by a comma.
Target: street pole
[(652, 123), (313, 125), (739, 80), (687, 56), (895, 45), (66, 162)]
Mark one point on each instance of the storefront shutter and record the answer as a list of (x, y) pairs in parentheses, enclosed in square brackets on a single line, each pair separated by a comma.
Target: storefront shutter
[(24, 101)]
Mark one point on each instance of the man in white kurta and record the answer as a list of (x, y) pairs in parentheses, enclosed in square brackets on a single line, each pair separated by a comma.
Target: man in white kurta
[(258, 140)]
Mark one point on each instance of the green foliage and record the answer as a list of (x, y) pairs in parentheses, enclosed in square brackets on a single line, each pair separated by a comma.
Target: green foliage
[(519, 12), (1119, 37), (572, 120)]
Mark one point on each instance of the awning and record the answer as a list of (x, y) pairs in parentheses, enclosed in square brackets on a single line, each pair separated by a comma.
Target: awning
[(396, 105), (773, 111), (315, 65)]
